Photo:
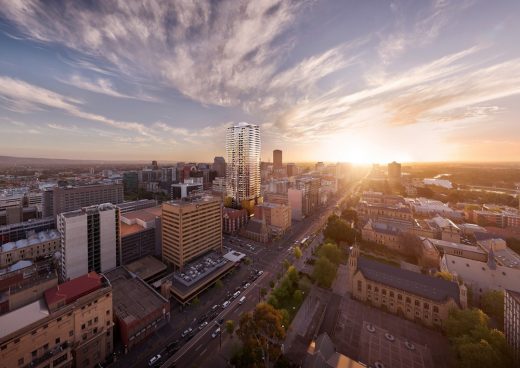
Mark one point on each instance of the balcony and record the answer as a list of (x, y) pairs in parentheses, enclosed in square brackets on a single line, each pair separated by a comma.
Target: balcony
[(50, 354)]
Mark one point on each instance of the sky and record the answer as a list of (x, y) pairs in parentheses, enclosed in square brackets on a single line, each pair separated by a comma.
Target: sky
[(360, 81)]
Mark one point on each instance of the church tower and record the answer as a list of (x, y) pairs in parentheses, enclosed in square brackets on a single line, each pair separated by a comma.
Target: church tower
[(352, 266)]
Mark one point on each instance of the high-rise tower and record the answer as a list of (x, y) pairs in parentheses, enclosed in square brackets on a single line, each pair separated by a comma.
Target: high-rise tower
[(277, 159), (243, 164)]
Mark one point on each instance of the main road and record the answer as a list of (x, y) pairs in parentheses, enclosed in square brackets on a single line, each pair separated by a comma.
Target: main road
[(203, 349)]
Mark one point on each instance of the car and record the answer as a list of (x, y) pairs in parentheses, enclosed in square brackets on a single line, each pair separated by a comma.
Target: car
[(260, 272), (186, 332), (236, 295), (226, 303), (202, 325), (215, 333), (242, 300), (215, 307), (247, 285), (154, 360), (221, 321)]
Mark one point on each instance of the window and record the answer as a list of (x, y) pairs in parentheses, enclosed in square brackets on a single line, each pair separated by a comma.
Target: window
[(57, 340), (84, 337), (391, 294), (426, 306), (417, 303), (399, 297), (376, 289), (71, 333), (408, 300), (34, 353), (383, 291), (95, 330), (46, 346), (59, 319), (95, 320), (90, 322), (359, 285), (435, 309), (59, 360), (369, 287), (16, 341), (108, 312), (83, 326)]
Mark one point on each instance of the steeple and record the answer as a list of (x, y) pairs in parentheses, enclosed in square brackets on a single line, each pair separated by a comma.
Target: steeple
[(491, 257), (352, 265)]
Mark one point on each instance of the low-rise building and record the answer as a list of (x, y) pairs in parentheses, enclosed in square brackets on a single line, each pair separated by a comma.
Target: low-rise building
[(70, 326), (504, 256), (409, 294), (256, 230), (139, 310), (382, 233), (457, 249), (482, 276), (233, 219), (512, 322), (277, 217), (42, 244)]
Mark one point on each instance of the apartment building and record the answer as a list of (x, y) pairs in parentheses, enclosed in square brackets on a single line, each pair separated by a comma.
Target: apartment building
[(37, 245)]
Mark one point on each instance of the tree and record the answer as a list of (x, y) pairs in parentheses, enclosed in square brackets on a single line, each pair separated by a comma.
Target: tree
[(219, 284), (444, 275), (492, 303), (411, 246), (298, 252), (286, 264), (271, 284), (331, 252), (460, 321), (298, 296), (262, 334), (324, 272), (230, 327), (273, 300), (339, 230), (349, 215)]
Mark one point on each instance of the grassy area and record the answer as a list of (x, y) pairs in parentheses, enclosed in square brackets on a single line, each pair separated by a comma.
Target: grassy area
[(381, 251)]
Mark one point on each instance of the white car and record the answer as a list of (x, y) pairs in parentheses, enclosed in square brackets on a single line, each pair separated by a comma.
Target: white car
[(202, 325), (154, 360), (226, 303), (247, 285), (215, 333)]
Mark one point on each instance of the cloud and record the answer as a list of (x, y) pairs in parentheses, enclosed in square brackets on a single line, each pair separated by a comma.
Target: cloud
[(99, 85), (214, 53)]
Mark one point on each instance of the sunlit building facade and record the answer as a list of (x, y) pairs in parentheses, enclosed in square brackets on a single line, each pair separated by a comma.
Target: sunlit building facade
[(243, 164)]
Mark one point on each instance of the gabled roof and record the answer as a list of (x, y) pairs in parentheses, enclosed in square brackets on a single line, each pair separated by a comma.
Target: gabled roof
[(428, 287)]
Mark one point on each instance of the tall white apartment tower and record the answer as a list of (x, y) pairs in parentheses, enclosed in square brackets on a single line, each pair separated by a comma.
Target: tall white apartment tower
[(90, 240), (243, 164)]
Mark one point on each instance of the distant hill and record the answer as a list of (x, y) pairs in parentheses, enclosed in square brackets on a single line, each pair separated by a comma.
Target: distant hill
[(10, 161)]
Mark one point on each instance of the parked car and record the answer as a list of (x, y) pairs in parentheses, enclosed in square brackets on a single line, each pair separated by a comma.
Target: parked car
[(236, 294), (186, 332), (226, 303), (202, 325), (242, 300), (247, 285), (154, 360)]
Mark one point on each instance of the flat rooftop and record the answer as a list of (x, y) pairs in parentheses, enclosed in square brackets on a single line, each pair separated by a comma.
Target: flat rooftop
[(38, 238), (132, 298), (145, 214), (146, 267), (22, 317), (127, 230)]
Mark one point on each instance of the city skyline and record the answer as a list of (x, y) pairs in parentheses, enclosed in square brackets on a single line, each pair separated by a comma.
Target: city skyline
[(357, 82)]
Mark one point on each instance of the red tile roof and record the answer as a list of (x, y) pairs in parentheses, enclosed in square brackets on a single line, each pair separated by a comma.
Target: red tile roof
[(74, 289)]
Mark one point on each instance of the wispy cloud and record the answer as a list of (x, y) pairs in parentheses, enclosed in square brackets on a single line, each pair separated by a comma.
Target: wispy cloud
[(211, 53)]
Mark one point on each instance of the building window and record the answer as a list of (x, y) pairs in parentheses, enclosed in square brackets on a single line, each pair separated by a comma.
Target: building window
[(20, 361), (57, 340), (369, 287), (417, 303), (383, 291), (83, 326), (108, 312), (408, 300), (71, 333), (376, 289), (435, 309), (95, 320), (391, 294), (46, 347), (59, 319), (59, 360), (34, 353), (359, 285), (426, 306), (399, 297)]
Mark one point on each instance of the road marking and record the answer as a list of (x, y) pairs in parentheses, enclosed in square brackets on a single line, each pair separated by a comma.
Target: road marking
[(203, 351), (198, 347)]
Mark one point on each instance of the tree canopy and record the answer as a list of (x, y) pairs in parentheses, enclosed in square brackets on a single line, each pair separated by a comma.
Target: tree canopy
[(324, 272), (339, 231), (492, 303)]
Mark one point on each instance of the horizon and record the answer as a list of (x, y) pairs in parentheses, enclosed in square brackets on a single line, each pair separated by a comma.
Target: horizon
[(365, 83)]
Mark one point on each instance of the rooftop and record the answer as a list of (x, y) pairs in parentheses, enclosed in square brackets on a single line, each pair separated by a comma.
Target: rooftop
[(89, 210), (133, 299), (146, 214), (130, 229), (24, 263), (37, 238), (146, 267), (74, 289), (193, 200), (444, 243), (432, 288), (22, 317)]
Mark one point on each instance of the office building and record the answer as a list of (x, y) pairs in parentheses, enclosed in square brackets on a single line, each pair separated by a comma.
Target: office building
[(219, 165), (183, 190), (70, 326), (394, 172), (512, 322), (140, 234), (243, 165), (191, 228), (90, 240), (138, 309), (65, 199), (292, 169), (277, 159), (130, 182), (140, 204), (414, 296)]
